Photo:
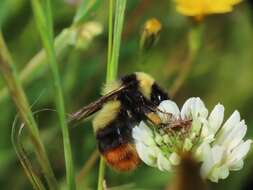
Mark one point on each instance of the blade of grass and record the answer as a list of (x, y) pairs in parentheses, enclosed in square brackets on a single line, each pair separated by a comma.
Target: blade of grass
[(45, 27), (113, 55), (19, 149), (85, 8), (61, 42), (112, 67), (9, 73), (110, 35)]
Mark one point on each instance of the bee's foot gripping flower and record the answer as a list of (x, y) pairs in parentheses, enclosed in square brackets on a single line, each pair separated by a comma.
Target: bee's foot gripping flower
[(217, 145)]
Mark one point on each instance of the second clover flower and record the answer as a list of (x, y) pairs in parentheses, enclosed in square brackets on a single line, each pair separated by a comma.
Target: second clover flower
[(219, 147)]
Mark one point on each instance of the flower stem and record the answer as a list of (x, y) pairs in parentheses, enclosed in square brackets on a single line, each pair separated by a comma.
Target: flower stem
[(194, 41), (113, 56)]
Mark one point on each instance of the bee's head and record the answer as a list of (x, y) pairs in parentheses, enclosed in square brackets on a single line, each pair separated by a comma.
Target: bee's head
[(146, 85), (158, 94)]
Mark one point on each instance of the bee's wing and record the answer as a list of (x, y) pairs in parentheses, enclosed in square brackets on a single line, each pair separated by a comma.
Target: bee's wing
[(93, 107)]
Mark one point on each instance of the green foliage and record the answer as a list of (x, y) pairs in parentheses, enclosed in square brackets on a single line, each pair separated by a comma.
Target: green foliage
[(220, 72), (44, 22)]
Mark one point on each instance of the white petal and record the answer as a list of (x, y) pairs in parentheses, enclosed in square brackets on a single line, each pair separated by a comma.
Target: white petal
[(212, 158), (199, 109), (208, 162), (234, 118), (224, 172), (163, 163), (218, 173), (147, 154), (142, 133), (216, 170), (236, 165), (234, 136), (232, 121), (193, 108), (216, 118), (168, 106), (217, 153), (239, 153), (186, 109), (200, 152)]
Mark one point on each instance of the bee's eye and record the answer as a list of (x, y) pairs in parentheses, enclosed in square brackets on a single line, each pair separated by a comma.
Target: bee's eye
[(158, 94), (159, 97)]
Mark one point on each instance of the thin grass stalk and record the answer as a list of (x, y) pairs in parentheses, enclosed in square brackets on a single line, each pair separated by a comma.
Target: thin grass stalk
[(19, 149), (118, 26), (110, 37), (84, 9), (113, 56), (109, 77), (45, 26), (61, 42), (101, 174), (10, 76), (87, 167)]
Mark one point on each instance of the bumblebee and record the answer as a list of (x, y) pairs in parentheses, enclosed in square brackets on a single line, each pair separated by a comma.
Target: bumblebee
[(125, 102)]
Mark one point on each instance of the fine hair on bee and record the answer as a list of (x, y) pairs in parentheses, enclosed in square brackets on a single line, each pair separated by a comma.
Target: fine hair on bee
[(124, 103)]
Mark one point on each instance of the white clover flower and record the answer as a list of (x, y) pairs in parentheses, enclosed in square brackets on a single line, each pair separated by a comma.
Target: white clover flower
[(219, 147)]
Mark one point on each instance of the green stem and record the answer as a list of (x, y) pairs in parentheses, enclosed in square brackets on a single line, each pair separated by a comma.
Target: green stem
[(45, 26), (113, 56), (194, 41), (85, 8), (110, 38), (118, 27), (109, 77), (9, 73), (101, 174)]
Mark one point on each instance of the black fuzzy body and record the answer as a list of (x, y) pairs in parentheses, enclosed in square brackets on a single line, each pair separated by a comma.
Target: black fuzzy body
[(134, 107)]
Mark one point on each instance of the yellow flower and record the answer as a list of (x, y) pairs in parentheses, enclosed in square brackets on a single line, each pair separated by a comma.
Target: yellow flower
[(200, 8)]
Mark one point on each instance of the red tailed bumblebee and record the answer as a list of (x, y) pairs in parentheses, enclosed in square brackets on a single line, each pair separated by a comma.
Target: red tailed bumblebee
[(124, 104)]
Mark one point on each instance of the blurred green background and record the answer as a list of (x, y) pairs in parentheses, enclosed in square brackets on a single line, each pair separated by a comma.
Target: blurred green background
[(222, 71)]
